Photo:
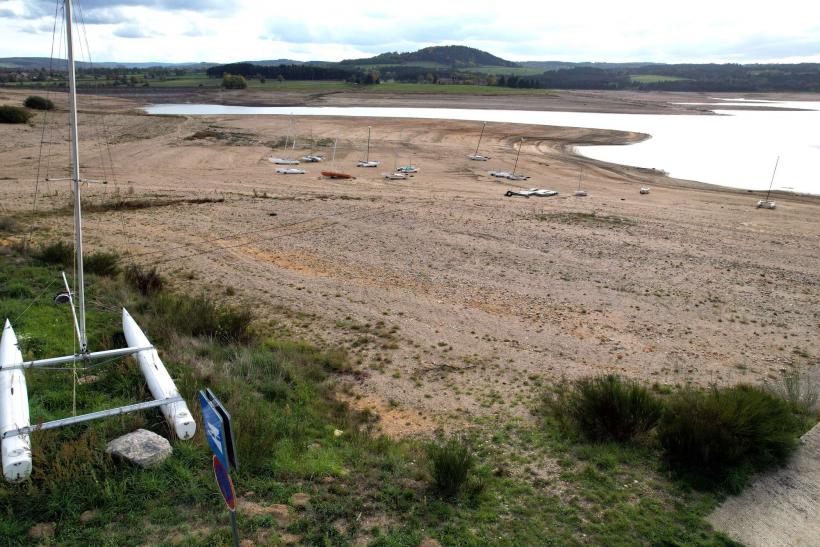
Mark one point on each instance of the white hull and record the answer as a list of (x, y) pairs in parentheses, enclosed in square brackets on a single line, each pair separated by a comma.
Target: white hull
[(16, 457), (478, 157), (281, 161), (367, 164), (159, 381), (290, 171)]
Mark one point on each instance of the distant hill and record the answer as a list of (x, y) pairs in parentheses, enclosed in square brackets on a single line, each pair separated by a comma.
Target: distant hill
[(36, 63), (558, 65), (447, 56)]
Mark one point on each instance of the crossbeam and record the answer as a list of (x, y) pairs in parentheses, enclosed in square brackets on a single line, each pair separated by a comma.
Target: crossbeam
[(92, 416), (109, 353)]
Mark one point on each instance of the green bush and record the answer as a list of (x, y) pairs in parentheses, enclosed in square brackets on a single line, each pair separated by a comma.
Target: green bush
[(797, 389), (36, 102), (147, 282), (722, 431), (451, 463), (59, 252), (102, 263), (14, 114), (230, 81), (607, 408)]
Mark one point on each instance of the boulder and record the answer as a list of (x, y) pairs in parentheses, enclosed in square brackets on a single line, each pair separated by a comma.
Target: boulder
[(141, 447)]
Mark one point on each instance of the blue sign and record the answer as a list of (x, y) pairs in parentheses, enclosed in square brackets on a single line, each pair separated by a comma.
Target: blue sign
[(223, 480), (214, 431)]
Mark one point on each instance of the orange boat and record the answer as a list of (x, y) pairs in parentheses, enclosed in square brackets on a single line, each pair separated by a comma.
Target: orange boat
[(336, 175)]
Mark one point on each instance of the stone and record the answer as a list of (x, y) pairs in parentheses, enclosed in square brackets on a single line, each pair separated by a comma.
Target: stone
[(43, 530), (88, 516), (141, 447), (300, 500)]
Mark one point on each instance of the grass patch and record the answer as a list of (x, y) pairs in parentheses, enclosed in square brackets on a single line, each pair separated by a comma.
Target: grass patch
[(653, 78), (451, 465), (587, 219), (146, 281)]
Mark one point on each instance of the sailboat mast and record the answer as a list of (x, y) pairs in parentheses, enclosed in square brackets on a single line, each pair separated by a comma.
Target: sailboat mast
[(517, 155), (75, 176), (367, 154), (479, 138), (772, 181)]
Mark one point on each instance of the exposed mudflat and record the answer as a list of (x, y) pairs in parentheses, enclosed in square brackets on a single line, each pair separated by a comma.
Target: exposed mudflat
[(453, 299)]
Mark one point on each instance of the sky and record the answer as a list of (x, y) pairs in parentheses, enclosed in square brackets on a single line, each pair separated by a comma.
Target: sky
[(223, 31)]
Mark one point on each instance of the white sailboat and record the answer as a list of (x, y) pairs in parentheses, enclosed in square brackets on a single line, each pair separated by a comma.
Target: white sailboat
[(15, 425), (367, 162), (580, 193), (508, 175), (286, 161), (766, 203), (475, 156)]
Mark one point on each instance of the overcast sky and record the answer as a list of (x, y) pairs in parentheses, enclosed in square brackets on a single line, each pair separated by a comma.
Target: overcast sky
[(237, 30)]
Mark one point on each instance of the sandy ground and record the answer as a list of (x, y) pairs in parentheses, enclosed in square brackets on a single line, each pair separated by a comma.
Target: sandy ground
[(452, 299)]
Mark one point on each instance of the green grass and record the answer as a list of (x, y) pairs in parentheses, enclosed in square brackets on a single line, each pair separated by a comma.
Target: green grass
[(530, 484), (653, 78)]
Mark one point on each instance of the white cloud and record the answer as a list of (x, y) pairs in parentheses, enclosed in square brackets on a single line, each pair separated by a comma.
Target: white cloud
[(225, 30)]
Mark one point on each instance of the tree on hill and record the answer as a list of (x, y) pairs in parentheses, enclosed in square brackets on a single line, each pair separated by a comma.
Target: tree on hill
[(231, 81)]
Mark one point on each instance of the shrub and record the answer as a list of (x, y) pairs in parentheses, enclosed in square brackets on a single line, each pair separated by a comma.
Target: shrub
[(450, 465), (720, 431), (607, 408), (797, 389), (36, 102), (147, 282), (102, 263), (58, 252), (230, 81), (14, 114), (9, 225)]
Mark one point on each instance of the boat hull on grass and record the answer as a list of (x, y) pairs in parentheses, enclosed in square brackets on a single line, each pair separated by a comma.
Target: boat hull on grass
[(160, 384), (336, 175), (14, 413)]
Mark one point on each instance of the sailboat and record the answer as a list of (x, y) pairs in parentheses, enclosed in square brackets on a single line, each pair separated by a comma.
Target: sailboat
[(332, 173), (507, 174), (766, 203), (312, 158), (367, 162), (286, 161), (475, 155), (396, 174), (580, 193), (15, 424)]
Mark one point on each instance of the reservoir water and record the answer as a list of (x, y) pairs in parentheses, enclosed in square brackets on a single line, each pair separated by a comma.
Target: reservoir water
[(736, 148)]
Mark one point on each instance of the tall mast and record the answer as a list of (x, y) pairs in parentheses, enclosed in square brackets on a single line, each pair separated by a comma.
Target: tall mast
[(479, 138), (75, 176), (772, 181), (517, 155), (367, 155)]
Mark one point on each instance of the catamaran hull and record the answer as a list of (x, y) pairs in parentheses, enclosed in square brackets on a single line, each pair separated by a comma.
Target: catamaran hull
[(16, 450), (160, 384)]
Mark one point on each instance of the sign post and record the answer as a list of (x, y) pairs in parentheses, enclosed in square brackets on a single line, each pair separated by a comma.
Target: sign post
[(219, 433)]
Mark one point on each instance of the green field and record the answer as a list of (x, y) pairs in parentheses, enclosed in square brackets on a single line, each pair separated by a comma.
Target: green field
[(653, 78)]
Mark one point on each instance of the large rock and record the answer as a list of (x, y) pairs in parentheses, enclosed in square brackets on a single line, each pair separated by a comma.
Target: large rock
[(141, 447)]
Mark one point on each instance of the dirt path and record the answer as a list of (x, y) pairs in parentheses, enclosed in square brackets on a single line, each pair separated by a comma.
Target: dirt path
[(781, 509)]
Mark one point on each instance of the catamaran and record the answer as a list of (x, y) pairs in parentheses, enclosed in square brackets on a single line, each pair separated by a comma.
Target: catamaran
[(475, 156), (15, 424), (367, 162), (513, 175)]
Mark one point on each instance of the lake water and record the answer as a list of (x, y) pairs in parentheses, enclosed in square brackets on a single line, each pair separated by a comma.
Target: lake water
[(736, 148)]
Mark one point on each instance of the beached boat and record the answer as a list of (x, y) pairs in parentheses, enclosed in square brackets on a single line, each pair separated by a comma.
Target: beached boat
[(475, 156), (511, 175), (332, 173), (15, 426), (290, 171), (766, 203), (644, 190), (580, 193), (532, 192), (367, 162)]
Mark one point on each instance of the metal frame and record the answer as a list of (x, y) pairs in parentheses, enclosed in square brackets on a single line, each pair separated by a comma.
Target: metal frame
[(91, 416)]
